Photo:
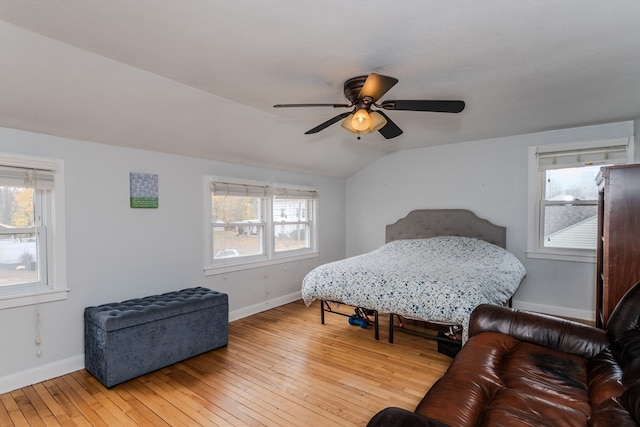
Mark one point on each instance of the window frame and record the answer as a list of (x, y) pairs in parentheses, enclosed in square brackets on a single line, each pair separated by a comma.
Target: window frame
[(269, 255), (50, 206), (263, 224), (310, 215), (536, 198)]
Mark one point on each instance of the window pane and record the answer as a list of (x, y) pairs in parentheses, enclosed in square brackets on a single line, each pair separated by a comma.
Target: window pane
[(235, 241), (18, 259), (570, 226), (290, 210), (572, 184), (237, 226), (290, 237), (291, 227), (16, 207), (18, 251)]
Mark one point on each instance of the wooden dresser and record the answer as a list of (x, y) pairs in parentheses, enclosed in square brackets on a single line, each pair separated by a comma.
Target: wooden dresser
[(618, 254)]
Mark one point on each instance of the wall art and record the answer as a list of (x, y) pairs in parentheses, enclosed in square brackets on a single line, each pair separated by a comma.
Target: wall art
[(143, 190)]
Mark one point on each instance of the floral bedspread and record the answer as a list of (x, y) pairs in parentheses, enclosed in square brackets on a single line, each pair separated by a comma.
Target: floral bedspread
[(438, 279)]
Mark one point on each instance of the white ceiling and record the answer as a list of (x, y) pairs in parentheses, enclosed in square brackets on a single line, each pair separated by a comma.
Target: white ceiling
[(199, 78)]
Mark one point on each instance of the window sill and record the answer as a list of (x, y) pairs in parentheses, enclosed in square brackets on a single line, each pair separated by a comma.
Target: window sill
[(32, 298), (228, 268), (563, 256)]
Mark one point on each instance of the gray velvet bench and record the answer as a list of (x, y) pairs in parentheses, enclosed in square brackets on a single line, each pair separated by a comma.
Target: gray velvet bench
[(131, 338)]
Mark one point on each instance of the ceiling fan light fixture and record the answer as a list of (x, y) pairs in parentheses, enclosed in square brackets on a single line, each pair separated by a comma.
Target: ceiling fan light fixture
[(346, 123), (377, 122), (361, 120)]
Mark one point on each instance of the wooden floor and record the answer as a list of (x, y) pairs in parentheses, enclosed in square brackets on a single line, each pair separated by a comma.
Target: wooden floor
[(282, 367)]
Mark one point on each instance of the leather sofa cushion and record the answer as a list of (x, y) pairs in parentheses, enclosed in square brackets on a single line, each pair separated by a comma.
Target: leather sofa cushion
[(536, 328), (631, 401), (611, 413), (605, 378), (499, 380), (626, 350)]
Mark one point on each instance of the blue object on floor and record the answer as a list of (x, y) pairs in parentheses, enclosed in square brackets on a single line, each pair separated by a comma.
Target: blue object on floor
[(355, 320)]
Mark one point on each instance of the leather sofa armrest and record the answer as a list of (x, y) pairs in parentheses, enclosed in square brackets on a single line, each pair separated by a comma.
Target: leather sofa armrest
[(541, 329), (398, 417)]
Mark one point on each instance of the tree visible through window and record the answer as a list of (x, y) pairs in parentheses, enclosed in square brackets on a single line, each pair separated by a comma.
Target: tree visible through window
[(256, 223), (26, 224), (18, 238)]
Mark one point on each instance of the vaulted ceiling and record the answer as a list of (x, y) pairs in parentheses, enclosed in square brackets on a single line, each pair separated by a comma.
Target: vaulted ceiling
[(199, 78)]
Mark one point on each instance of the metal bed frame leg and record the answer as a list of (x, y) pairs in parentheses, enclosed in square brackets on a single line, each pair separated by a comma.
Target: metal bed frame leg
[(322, 311), (376, 326), (390, 328)]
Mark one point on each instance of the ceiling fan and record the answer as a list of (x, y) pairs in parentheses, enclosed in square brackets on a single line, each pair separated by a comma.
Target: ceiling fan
[(363, 92)]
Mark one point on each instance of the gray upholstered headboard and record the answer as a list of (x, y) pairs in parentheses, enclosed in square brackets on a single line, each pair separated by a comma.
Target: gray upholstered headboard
[(424, 223)]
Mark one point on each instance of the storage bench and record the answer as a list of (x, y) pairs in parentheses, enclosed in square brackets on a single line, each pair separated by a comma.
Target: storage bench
[(131, 338)]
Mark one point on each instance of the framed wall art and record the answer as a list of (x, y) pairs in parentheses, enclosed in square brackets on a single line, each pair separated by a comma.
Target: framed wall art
[(143, 190)]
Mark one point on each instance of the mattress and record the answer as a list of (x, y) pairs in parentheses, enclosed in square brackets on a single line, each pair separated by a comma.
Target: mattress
[(440, 279)]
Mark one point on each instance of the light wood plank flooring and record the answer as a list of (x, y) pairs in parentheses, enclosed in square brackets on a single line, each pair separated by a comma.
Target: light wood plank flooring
[(282, 367)]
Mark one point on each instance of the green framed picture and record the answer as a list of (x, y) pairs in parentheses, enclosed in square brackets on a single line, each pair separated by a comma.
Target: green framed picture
[(143, 189)]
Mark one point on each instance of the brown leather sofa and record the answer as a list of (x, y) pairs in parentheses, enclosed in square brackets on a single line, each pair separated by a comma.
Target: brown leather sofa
[(525, 369)]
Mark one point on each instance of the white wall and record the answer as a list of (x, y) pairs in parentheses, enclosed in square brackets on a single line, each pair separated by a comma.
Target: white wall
[(488, 177), (116, 253)]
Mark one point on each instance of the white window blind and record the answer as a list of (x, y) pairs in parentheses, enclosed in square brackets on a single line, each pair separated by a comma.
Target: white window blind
[(289, 193), (250, 190), (11, 176), (581, 157), (235, 189)]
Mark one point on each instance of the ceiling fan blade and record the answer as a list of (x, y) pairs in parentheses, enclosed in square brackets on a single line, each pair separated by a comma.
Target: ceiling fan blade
[(376, 85), (390, 130), (311, 105), (327, 123), (417, 105)]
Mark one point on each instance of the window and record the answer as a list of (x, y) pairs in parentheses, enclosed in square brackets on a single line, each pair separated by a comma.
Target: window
[(292, 225), (237, 220), (27, 247), (564, 197), (252, 224)]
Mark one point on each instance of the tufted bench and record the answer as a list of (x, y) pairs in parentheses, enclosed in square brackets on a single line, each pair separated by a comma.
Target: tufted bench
[(131, 338)]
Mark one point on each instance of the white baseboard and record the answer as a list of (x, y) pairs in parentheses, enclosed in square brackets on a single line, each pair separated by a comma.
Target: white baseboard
[(263, 306), (555, 311), (41, 373)]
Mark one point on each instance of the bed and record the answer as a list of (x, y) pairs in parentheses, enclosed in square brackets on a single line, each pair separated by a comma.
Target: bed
[(436, 266)]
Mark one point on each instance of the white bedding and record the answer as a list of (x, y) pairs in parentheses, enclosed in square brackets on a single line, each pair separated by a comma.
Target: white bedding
[(439, 279)]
